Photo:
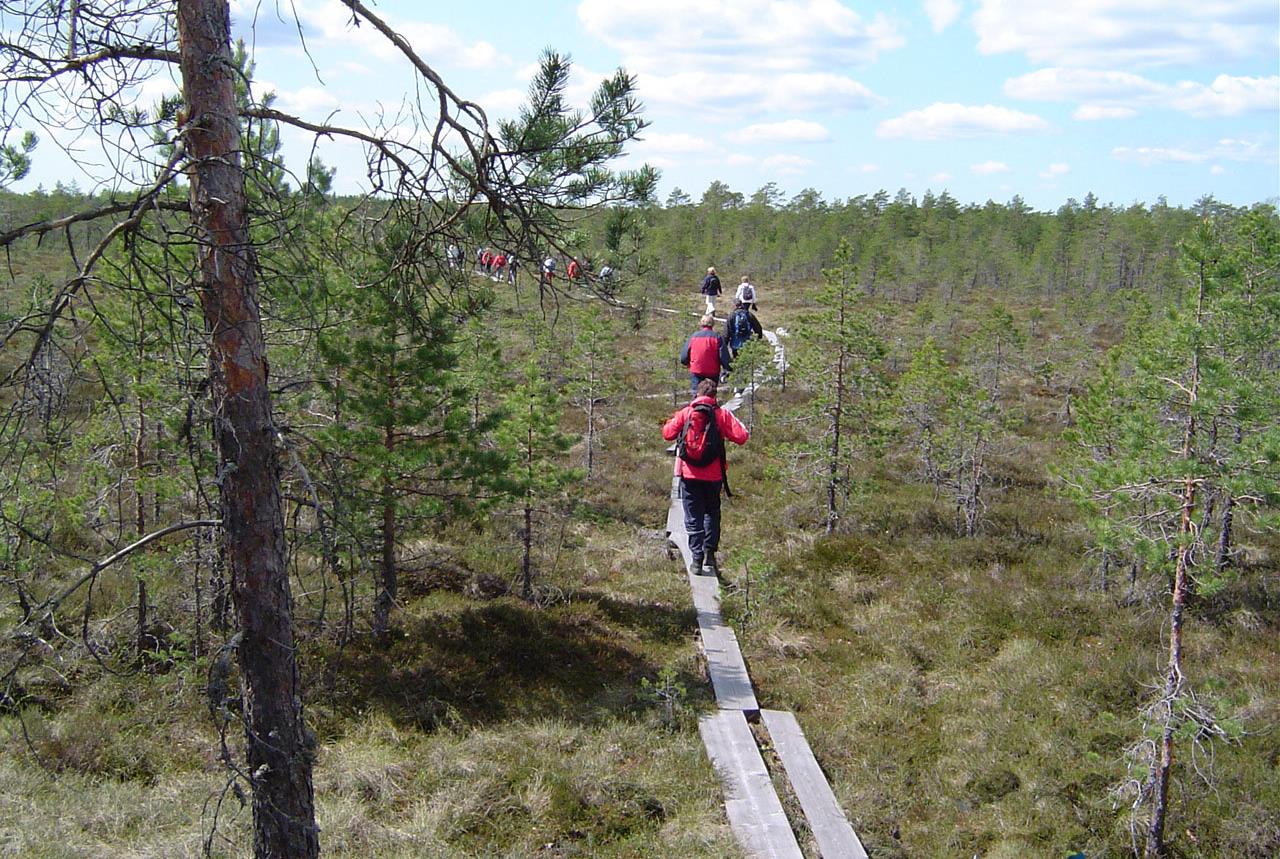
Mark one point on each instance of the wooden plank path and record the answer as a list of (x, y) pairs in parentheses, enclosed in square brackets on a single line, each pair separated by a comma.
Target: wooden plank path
[(725, 664), (836, 838), (752, 805), (755, 813)]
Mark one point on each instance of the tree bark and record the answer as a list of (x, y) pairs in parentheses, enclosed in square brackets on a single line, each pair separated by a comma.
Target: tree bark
[(1223, 557), (387, 586), (278, 747), (1173, 683)]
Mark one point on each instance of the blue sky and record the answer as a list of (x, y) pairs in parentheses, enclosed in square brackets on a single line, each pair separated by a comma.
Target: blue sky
[(1129, 99)]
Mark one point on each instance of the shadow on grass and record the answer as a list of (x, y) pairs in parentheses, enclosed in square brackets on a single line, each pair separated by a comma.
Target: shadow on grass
[(503, 660)]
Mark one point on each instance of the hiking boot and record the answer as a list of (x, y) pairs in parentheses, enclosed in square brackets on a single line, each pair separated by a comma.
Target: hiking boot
[(696, 564), (709, 566)]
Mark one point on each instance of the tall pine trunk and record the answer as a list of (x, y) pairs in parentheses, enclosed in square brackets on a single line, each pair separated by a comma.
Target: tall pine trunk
[(278, 747), (1163, 764), (386, 597)]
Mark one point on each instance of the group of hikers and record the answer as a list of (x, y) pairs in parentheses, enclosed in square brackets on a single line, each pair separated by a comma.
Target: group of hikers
[(701, 428), (500, 265), (574, 271)]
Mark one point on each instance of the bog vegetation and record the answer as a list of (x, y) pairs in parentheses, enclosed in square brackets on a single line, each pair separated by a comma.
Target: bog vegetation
[(1004, 538)]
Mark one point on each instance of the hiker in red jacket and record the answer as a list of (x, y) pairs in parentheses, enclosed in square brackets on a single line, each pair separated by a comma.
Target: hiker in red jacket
[(706, 354), (574, 271), (700, 483)]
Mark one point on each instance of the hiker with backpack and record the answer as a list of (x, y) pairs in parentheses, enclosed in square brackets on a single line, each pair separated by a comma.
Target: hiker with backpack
[(746, 293), (741, 327), (711, 288), (699, 431), (705, 353)]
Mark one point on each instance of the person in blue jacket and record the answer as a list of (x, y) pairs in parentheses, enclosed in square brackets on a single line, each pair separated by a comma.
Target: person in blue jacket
[(711, 288)]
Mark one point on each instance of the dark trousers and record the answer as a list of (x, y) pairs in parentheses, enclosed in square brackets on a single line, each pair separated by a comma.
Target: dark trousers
[(701, 502), (694, 379)]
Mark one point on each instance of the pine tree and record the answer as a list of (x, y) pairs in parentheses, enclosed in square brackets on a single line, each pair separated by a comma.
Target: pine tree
[(1190, 404), (841, 357), (530, 436), (951, 422), (404, 420)]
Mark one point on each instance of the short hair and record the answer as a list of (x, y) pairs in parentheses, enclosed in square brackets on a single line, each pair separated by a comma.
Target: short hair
[(707, 388), (711, 269), (707, 321), (745, 278)]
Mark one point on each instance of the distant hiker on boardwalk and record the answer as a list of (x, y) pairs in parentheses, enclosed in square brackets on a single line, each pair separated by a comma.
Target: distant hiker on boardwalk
[(700, 430), (741, 327), (512, 265), (574, 271), (711, 288), (746, 293), (454, 254), (606, 273), (706, 354), (548, 271)]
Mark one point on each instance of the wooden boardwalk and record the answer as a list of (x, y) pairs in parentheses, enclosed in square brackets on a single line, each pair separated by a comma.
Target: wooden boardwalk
[(752, 805), (827, 822)]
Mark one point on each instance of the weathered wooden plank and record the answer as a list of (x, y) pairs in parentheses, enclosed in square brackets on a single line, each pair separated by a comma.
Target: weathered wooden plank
[(754, 810), (728, 670), (836, 838)]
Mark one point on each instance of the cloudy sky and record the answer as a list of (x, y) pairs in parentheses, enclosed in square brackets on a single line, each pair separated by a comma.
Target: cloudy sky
[(1049, 99)]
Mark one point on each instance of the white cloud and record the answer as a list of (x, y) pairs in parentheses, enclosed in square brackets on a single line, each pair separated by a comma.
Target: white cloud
[(1057, 169), (940, 177), (1226, 149), (1148, 155), (674, 144), (869, 168), (778, 34), (1059, 84), (1112, 94), (942, 13), (329, 31), (1092, 112), (746, 54), (1217, 170), (307, 100), (733, 93), (502, 102), (786, 165), (789, 131), (942, 120), (987, 168), (1228, 96), (1127, 32)]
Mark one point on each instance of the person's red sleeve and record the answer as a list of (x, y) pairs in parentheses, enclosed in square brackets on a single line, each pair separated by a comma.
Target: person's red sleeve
[(671, 428), (730, 427)]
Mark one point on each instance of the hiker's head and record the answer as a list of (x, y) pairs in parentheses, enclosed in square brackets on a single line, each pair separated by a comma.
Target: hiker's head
[(711, 269), (738, 305), (746, 279), (706, 388), (707, 321)]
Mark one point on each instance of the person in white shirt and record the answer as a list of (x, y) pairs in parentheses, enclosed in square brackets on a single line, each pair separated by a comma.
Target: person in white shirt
[(746, 293)]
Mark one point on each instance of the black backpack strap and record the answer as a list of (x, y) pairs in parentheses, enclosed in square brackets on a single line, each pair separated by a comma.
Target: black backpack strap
[(724, 460)]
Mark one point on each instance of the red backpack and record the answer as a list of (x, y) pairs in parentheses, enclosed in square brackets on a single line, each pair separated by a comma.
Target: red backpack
[(700, 442)]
